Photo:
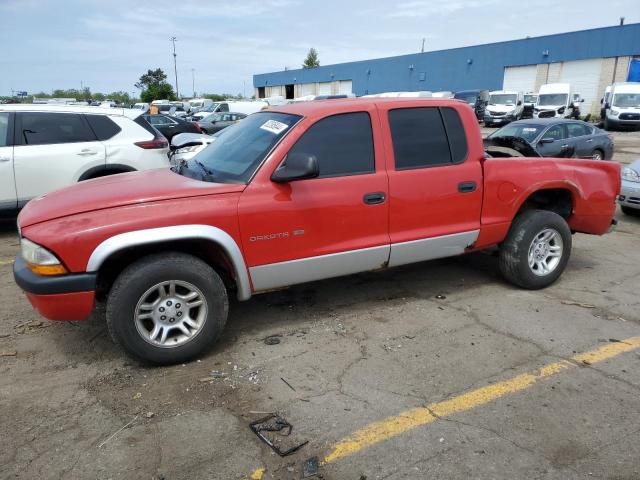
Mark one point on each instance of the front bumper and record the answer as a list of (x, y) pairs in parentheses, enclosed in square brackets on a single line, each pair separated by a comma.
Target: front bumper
[(491, 120), (629, 194), (64, 297)]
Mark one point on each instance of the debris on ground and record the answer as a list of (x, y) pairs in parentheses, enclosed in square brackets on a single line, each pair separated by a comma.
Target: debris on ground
[(272, 339), (11, 353), (149, 415), (137, 396), (288, 384), (282, 429), (577, 304), (310, 467), (440, 297), (118, 431)]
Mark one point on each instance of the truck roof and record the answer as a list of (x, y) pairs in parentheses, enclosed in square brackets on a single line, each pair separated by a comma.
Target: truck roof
[(555, 88), (626, 87), (323, 107)]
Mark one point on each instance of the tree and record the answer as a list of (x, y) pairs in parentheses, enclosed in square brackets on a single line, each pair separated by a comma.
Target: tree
[(154, 86), (312, 59)]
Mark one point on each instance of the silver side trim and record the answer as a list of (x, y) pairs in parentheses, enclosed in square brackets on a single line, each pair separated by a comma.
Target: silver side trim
[(179, 232), (431, 248), (276, 275)]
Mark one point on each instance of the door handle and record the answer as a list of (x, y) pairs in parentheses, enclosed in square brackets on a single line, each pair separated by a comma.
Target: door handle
[(374, 198), (565, 146), (467, 187), (590, 140), (86, 151)]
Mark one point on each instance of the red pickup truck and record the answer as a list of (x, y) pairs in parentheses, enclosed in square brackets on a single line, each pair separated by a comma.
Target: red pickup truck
[(295, 194)]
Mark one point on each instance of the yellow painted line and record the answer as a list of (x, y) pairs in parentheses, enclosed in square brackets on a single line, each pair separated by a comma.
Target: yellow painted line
[(393, 426), (382, 430), (6, 262)]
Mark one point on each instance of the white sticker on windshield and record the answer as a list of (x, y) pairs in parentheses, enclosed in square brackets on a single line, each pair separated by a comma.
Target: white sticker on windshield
[(274, 126), (528, 129)]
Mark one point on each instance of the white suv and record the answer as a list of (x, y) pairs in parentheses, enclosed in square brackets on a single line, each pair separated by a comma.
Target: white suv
[(45, 147)]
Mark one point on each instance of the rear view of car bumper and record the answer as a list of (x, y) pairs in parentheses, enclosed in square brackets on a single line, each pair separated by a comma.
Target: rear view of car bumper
[(64, 297)]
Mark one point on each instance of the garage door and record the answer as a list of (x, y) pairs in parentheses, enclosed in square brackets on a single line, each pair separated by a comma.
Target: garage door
[(324, 88), (345, 87), (584, 77), (520, 79), (307, 89)]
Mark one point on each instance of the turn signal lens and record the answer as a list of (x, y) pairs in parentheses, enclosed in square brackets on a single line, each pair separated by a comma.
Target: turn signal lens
[(40, 260)]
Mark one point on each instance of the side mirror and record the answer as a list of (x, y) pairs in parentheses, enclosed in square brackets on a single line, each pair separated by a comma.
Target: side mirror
[(607, 105), (298, 166), (547, 140), (519, 102)]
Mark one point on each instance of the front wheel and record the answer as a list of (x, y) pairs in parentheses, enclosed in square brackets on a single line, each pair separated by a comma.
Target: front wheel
[(536, 250), (597, 154), (167, 308), (630, 211)]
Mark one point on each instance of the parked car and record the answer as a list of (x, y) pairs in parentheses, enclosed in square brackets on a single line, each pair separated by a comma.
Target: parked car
[(169, 126), (629, 198), (530, 100), (45, 147), (504, 107), (623, 108), (561, 138), (477, 99), (218, 121), (231, 106), (185, 146), (296, 194), (141, 106), (557, 100), (197, 104)]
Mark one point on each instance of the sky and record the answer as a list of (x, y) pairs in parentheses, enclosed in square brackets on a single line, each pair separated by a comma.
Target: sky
[(107, 44)]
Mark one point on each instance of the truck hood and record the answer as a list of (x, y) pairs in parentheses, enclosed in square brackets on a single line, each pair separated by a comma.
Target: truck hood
[(116, 191), (501, 108)]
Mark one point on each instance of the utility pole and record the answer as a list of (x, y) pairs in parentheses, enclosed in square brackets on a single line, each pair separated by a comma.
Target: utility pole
[(423, 40), (193, 80), (175, 65)]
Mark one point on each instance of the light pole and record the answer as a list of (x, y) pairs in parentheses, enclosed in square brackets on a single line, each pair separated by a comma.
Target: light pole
[(175, 67), (193, 81)]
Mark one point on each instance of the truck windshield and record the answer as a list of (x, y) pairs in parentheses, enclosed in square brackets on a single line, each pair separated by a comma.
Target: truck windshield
[(626, 100), (470, 98), (552, 99), (238, 152), (530, 98), (503, 99)]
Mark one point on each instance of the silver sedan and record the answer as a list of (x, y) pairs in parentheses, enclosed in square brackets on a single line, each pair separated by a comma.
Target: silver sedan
[(629, 198)]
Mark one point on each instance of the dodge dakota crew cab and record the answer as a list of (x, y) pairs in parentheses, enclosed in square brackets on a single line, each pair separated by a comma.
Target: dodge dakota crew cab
[(295, 194)]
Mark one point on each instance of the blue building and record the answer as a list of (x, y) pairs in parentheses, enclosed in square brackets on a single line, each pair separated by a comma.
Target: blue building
[(588, 59)]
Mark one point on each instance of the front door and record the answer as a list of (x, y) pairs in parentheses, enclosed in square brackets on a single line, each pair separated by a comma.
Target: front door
[(554, 143), (322, 227), (52, 150), (7, 180)]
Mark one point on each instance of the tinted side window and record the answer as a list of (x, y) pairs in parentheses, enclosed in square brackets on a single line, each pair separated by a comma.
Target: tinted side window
[(4, 129), (103, 126), (51, 128), (224, 107), (419, 138), (577, 130), (456, 134), (343, 144), (144, 123)]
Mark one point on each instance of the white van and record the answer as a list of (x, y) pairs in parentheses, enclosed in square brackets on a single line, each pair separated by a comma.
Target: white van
[(623, 106), (504, 107), (231, 106), (197, 104), (557, 100)]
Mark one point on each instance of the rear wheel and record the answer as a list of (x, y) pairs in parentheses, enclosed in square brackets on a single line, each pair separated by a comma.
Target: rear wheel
[(167, 308), (536, 250), (597, 154)]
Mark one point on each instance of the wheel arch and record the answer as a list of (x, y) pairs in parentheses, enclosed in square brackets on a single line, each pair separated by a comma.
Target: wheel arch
[(212, 244), (560, 199)]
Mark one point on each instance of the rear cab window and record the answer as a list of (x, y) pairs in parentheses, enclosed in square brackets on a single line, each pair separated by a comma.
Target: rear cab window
[(424, 137)]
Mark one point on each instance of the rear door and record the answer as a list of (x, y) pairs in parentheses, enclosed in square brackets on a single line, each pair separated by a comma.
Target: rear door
[(435, 183), (580, 138), (52, 150), (8, 198)]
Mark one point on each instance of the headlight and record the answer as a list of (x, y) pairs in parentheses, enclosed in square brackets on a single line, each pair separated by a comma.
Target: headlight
[(614, 112), (40, 260), (193, 148), (561, 110), (536, 110), (630, 175)]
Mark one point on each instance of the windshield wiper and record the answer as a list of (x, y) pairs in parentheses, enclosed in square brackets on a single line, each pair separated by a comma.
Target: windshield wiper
[(208, 173)]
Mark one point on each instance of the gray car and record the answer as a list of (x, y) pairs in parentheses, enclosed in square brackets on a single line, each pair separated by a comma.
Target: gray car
[(561, 138), (217, 121), (629, 198)]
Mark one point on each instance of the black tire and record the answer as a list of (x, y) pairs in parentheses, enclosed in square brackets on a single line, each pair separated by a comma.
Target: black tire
[(608, 125), (138, 278), (632, 212), (513, 257), (599, 152)]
